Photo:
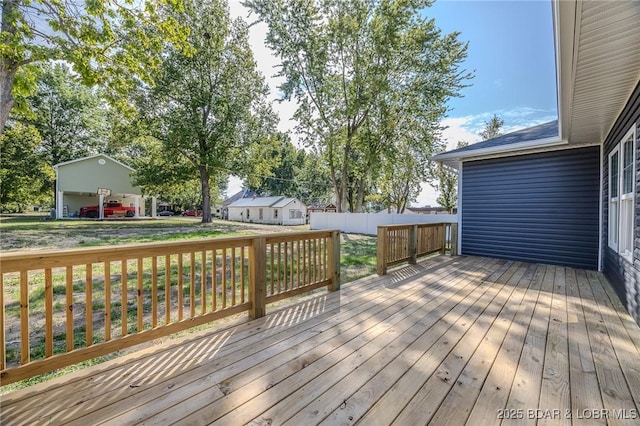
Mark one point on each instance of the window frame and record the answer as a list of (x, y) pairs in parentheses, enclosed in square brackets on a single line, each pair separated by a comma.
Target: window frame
[(621, 213)]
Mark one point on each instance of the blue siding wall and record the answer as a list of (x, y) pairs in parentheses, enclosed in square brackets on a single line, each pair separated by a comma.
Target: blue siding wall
[(623, 275), (537, 208)]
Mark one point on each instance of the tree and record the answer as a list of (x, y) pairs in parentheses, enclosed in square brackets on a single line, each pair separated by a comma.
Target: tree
[(108, 42), (313, 178), (343, 59), (70, 117), (207, 107), (492, 128), (446, 182), (25, 176), (272, 167), (171, 179)]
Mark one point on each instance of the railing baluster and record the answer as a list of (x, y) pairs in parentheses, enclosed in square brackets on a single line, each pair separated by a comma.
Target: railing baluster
[(233, 276), (272, 268), (69, 310), (125, 298), (139, 296), (203, 283), (25, 355), (242, 275), (298, 266), (224, 278), (291, 264), (48, 312), (107, 301), (89, 304), (180, 287), (279, 262), (167, 289), (214, 280), (285, 271), (154, 291), (192, 285)]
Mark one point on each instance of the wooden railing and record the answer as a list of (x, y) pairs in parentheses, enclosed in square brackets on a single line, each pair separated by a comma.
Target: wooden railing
[(405, 243), (67, 306)]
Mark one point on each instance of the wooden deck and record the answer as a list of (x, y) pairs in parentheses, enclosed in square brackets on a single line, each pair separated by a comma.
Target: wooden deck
[(448, 341)]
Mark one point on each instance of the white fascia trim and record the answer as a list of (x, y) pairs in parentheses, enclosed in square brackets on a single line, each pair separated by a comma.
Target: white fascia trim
[(538, 143)]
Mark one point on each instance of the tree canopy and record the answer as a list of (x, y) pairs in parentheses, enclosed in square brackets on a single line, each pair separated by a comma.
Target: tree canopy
[(209, 106), (113, 43), (71, 118), (24, 172), (345, 62)]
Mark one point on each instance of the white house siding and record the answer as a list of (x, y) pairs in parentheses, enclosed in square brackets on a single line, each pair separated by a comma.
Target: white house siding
[(294, 214), (275, 211)]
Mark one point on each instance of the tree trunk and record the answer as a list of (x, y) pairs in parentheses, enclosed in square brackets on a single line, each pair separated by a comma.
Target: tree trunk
[(360, 196), (6, 98), (206, 194), (8, 66), (344, 184)]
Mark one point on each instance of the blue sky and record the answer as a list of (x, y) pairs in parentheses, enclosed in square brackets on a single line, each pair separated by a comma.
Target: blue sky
[(511, 50)]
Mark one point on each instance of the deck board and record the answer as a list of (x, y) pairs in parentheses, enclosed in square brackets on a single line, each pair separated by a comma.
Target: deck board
[(448, 341)]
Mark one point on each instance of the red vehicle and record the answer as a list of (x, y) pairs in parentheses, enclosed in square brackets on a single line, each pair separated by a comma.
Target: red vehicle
[(192, 213), (110, 208)]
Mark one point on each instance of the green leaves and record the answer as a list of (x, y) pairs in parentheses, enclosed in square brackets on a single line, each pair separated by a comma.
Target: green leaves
[(363, 64), (114, 44), (207, 105), (25, 177)]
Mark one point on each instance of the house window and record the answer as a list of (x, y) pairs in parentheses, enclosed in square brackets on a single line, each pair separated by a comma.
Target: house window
[(275, 214), (295, 214), (260, 214), (621, 195), (247, 214)]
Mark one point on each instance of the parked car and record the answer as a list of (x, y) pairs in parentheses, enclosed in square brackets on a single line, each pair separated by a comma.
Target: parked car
[(192, 213), (166, 213), (109, 208)]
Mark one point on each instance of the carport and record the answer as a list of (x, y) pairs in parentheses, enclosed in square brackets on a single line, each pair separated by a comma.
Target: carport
[(93, 180)]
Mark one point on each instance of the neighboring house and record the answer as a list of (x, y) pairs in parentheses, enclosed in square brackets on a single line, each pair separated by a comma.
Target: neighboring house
[(271, 210), (565, 192), (90, 181), (322, 208), (244, 193)]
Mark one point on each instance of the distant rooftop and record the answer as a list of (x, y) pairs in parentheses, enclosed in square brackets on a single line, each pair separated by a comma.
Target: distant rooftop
[(257, 202)]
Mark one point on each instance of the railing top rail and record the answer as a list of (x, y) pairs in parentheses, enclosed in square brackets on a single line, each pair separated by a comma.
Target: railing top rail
[(409, 225), (21, 260)]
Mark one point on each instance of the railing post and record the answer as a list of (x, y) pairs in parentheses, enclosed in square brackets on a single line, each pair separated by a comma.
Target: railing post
[(443, 238), (413, 245), (381, 250), (454, 239), (258, 277), (334, 260)]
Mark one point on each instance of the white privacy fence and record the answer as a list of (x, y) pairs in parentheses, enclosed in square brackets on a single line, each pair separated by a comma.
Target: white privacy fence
[(367, 223)]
